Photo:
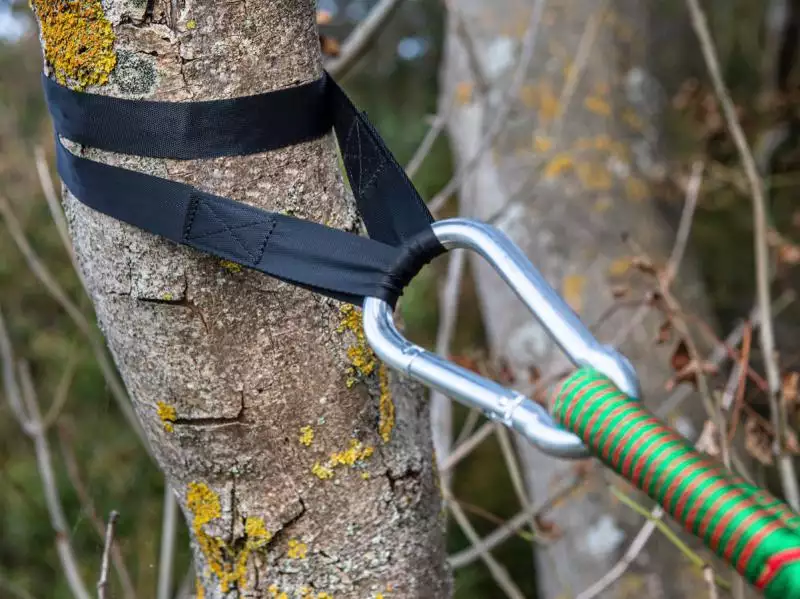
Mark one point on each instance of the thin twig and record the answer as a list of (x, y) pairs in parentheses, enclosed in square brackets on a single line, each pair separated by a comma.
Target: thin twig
[(60, 296), (498, 572), (15, 590), (508, 529), (88, 508), (722, 351), (169, 527), (61, 394), (708, 575), (633, 551), (687, 218), (463, 450), (32, 425), (436, 128), (102, 583), (441, 406), (767, 334), (501, 113), (56, 212), (361, 38), (470, 422)]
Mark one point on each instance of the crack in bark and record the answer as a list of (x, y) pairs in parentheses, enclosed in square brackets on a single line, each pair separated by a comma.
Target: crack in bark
[(202, 421)]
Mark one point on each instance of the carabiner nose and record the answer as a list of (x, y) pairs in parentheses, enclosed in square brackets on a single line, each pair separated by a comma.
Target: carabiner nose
[(509, 407)]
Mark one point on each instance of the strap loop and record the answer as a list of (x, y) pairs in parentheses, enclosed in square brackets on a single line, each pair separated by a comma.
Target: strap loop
[(336, 263)]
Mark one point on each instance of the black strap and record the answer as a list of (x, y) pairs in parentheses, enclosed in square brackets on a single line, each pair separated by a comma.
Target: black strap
[(333, 262)]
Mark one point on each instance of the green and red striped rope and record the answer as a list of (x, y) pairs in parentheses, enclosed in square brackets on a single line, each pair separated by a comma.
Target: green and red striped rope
[(741, 523)]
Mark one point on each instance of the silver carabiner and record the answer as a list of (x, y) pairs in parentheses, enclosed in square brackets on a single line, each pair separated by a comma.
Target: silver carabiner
[(499, 403)]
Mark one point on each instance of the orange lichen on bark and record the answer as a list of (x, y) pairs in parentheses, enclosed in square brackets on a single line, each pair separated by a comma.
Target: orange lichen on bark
[(594, 177), (78, 41), (167, 414), (353, 456), (598, 105), (297, 549), (306, 436), (363, 363), (362, 358), (558, 165), (636, 189), (385, 406), (227, 563)]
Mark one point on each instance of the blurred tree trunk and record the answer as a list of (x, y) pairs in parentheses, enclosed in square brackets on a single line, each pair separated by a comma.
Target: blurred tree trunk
[(245, 385), (570, 174)]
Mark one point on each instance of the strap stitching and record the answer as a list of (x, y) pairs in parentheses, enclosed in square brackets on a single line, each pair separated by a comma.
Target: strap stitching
[(197, 202)]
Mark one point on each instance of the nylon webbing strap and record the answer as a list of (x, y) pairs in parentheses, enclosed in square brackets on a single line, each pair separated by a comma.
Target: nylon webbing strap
[(743, 524), (332, 262)]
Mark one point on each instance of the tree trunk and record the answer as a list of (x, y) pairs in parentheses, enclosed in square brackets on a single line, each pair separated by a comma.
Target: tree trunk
[(264, 407), (571, 173)]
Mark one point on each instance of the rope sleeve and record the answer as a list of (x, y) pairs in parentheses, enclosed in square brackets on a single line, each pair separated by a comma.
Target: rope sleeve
[(743, 524)]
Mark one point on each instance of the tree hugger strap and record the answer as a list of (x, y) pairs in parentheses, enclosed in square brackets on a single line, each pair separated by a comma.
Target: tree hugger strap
[(743, 524)]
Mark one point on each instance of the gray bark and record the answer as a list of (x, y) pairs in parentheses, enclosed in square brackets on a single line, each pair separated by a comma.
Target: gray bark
[(225, 366), (565, 180)]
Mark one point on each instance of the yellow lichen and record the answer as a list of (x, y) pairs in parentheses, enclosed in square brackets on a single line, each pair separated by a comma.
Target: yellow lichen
[(306, 436), (199, 589), (542, 144), (630, 118), (231, 266), (321, 472), (276, 593), (362, 358), (227, 563), (464, 93), (620, 266), (597, 105), (549, 107), (558, 165), (167, 414), (385, 406), (636, 189), (594, 176), (297, 549), (356, 453), (365, 475), (191, 24), (78, 41)]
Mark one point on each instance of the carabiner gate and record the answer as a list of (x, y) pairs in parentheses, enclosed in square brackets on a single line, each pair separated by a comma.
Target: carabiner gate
[(499, 403)]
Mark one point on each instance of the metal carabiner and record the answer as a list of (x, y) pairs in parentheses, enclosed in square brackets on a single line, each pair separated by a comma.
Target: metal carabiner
[(499, 403)]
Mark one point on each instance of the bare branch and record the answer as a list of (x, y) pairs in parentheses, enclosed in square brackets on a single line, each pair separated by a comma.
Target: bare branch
[(708, 575), (685, 226), (88, 508), (498, 572), (56, 212), (360, 39), (59, 295), (44, 461), (721, 351), (441, 406), (62, 393), (504, 532), (767, 335), (635, 548), (102, 583), (425, 146), (463, 450), (169, 527)]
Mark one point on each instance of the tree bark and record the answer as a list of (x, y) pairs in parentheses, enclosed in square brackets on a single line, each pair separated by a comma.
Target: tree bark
[(267, 412), (569, 175)]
